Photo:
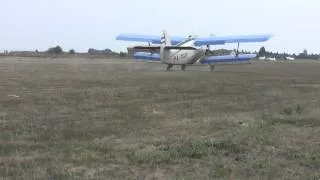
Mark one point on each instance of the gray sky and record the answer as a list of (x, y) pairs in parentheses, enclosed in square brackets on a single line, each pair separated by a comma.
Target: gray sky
[(79, 24)]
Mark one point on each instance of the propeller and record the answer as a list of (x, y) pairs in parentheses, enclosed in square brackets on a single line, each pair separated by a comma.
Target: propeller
[(192, 34)]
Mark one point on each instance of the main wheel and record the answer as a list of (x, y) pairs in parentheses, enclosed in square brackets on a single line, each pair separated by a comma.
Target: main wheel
[(183, 67), (212, 67)]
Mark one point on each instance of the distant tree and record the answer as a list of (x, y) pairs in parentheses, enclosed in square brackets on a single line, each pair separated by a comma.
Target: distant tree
[(123, 54), (96, 51), (91, 50), (55, 50), (262, 51), (305, 52), (107, 51), (72, 51), (305, 55)]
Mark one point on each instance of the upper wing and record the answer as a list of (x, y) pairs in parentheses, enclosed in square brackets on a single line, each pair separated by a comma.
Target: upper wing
[(199, 41), (148, 38), (231, 39)]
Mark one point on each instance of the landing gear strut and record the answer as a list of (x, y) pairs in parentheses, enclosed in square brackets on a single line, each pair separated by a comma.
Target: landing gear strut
[(212, 67), (183, 67)]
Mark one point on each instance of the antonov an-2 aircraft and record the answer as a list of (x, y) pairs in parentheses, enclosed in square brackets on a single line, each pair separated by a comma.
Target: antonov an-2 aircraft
[(188, 50)]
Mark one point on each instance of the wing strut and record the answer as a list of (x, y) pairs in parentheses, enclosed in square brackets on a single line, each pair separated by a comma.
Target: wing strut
[(237, 53)]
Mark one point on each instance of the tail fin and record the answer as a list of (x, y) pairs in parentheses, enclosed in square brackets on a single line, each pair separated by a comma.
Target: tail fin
[(165, 39)]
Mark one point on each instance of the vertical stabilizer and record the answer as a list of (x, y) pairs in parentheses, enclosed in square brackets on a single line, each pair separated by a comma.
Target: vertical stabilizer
[(165, 39)]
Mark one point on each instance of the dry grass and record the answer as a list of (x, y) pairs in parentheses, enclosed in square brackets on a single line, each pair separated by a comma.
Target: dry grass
[(80, 119)]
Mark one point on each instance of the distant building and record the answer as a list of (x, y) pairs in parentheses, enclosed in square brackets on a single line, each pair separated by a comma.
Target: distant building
[(262, 58), (289, 58), (271, 59)]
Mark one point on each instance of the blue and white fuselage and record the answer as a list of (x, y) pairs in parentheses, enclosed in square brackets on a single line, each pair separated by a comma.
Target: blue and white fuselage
[(183, 56)]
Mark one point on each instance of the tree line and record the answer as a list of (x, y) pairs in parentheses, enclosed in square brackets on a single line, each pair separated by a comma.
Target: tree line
[(58, 50), (303, 55)]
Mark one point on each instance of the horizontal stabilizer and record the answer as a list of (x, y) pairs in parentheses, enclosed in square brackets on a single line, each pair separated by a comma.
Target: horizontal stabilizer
[(157, 48), (147, 56), (228, 58), (180, 47), (146, 47)]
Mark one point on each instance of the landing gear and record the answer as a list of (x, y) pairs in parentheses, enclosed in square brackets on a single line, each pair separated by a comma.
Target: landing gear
[(183, 67), (212, 67)]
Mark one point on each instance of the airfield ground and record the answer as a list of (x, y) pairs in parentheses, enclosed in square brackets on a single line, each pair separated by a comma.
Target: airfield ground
[(120, 119)]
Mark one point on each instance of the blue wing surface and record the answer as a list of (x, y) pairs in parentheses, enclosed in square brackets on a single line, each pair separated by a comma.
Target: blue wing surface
[(146, 56), (228, 58), (155, 57), (231, 39), (137, 37), (148, 38)]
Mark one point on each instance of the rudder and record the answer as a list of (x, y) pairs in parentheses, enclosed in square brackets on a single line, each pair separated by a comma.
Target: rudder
[(165, 39)]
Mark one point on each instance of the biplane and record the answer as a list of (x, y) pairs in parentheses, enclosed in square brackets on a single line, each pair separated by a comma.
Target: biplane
[(182, 51)]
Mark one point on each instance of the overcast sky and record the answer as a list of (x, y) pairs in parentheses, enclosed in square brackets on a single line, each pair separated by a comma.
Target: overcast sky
[(80, 24)]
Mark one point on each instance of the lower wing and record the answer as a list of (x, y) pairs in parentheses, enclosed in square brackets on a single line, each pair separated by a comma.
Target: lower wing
[(147, 56), (155, 57), (228, 58)]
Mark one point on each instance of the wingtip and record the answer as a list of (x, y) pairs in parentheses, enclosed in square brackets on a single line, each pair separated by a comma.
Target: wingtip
[(270, 36), (119, 36)]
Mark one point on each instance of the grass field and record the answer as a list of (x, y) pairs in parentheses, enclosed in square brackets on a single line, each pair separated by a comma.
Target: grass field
[(116, 119)]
